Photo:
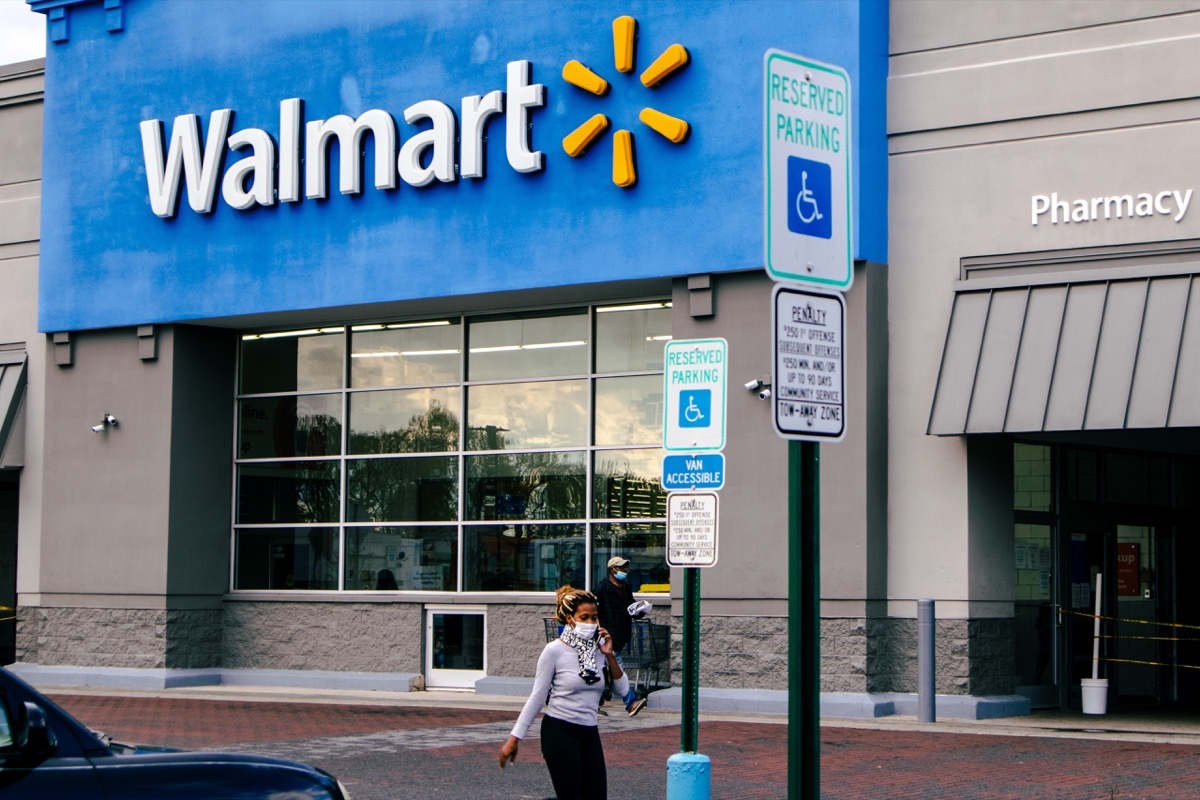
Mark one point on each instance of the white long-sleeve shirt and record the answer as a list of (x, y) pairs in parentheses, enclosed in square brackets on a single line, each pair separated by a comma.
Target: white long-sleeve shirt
[(569, 698)]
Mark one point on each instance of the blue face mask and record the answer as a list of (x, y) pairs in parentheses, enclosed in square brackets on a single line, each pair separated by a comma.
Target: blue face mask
[(621, 576)]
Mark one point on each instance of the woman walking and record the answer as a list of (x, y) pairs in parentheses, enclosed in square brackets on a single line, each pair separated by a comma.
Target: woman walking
[(569, 682)]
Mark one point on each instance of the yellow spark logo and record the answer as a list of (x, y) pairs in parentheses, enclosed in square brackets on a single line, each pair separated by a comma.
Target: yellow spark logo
[(674, 58)]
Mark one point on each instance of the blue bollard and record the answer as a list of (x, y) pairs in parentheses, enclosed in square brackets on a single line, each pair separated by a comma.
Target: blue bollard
[(689, 777)]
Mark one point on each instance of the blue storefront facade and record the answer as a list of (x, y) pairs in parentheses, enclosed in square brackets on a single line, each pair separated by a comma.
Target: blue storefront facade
[(377, 293)]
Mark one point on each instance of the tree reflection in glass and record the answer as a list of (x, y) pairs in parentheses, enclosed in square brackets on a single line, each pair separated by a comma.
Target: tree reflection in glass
[(432, 421)]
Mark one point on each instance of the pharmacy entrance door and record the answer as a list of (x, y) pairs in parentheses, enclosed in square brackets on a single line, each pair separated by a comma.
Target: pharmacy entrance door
[(1141, 606)]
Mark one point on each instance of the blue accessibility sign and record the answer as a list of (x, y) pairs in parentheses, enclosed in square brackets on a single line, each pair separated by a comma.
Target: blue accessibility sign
[(809, 184), (703, 471), (695, 408)]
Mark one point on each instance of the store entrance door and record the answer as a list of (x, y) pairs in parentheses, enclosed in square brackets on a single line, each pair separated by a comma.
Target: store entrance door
[(1139, 647)]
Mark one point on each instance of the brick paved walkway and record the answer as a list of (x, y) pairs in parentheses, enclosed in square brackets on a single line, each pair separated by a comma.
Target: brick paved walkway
[(405, 753)]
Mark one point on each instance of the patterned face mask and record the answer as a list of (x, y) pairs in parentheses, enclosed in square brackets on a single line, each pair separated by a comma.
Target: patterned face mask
[(585, 650)]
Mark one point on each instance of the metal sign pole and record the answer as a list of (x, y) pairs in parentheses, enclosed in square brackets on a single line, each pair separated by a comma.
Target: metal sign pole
[(804, 620), (689, 730)]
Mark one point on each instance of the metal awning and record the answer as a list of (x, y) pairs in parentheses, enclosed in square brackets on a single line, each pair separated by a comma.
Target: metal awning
[(12, 390), (1071, 356)]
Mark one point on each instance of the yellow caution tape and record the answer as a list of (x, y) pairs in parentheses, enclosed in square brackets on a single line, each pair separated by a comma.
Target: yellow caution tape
[(1150, 663), (6, 619), (1155, 638), (1137, 621)]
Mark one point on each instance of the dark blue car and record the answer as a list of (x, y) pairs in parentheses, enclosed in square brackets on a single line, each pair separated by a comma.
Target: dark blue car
[(45, 754)]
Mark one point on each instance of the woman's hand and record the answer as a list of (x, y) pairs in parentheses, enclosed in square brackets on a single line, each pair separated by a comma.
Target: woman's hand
[(508, 753), (606, 643)]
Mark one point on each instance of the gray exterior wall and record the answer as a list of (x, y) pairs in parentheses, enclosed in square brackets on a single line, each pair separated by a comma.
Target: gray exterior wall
[(135, 526), (989, 104), (21, 94)]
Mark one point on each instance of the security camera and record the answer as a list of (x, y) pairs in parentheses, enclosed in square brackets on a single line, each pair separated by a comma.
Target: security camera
[(98, 428), (109, 419), (765, 394), (754, 385)]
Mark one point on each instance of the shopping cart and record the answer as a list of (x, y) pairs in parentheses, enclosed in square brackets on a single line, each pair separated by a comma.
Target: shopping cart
[(647, 656)]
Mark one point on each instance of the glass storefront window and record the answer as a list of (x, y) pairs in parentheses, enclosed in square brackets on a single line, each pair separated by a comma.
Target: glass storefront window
[(526, 486), (523, 558), (293, 361), (406, 353), (288, 491), (528, 347), (422, 558), (452, 455), (627, 483), (629, 410), (1031, 477), (630, 338), (508, 416), (286, 559), (410, 489), (405, 421), (294, 425), (643, 543)]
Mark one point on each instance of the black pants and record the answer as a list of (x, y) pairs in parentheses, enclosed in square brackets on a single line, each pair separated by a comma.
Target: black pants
[(575, 759)]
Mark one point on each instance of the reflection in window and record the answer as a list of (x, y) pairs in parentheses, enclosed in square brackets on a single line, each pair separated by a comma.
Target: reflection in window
[(511, 416), (529, 347), (296, 425), (630, 338), (404, 421), (526, 486), (290, 491), (292, 361), (644, 544), (627, 483), (402, 489), (406, 354), (422, 558), (629, 410), (523, 558), (452, 455), (286, 558)]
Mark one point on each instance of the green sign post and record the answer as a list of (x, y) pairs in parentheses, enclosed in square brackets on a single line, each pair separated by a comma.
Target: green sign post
[(808, 239)]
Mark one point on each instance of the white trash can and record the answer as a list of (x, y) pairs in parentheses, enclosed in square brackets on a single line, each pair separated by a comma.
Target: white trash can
[(1095, 695)]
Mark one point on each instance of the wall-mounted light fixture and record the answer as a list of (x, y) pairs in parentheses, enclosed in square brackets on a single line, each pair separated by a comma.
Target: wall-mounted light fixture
[(106, 422), (760, 385)]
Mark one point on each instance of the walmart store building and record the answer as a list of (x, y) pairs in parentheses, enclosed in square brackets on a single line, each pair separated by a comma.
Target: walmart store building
[(377, 295)]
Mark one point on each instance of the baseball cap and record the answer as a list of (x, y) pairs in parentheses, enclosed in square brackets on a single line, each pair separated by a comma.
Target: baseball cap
[(617, 561)]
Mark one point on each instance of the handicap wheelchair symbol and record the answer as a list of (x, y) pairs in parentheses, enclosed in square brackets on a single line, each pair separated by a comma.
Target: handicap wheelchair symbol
[(806, 204), (810, 184), (694, 408)]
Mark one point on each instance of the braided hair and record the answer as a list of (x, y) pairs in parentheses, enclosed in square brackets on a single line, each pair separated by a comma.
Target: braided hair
[(568, 599)]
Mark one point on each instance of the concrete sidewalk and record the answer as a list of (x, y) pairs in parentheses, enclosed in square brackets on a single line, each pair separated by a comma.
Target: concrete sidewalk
[(1139, 725), (427, 745)]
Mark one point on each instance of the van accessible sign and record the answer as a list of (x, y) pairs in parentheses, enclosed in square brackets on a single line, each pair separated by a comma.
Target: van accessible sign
[(806, 172)]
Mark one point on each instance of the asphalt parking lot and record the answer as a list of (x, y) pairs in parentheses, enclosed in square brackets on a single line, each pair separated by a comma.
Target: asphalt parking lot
[(396, 750)]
